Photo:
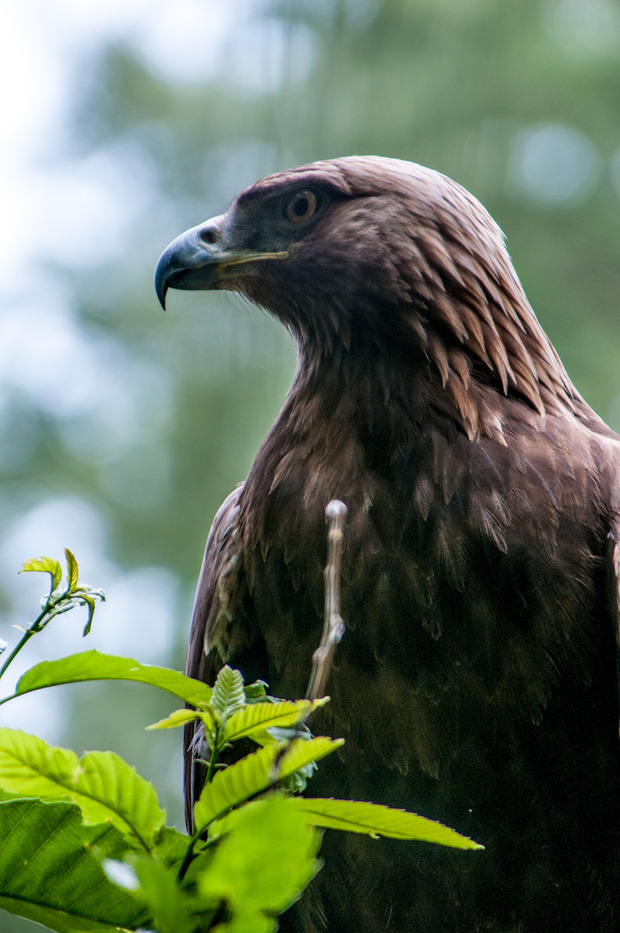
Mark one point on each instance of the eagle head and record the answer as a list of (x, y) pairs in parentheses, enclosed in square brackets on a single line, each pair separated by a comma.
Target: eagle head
[(376, 258)]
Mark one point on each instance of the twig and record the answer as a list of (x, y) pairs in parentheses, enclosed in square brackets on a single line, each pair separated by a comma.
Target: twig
[(333, 625)]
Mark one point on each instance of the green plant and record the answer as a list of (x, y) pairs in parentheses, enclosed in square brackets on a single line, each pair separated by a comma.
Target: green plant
[(83, 841)]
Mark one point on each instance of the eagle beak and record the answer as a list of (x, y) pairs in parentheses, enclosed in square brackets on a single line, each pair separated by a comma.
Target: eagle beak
[(196, 260)]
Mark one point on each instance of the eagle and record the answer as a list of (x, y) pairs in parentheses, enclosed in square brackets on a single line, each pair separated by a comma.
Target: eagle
[(476, 681)]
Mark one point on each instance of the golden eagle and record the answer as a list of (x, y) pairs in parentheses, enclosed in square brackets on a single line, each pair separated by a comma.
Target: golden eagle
[(476, 681)]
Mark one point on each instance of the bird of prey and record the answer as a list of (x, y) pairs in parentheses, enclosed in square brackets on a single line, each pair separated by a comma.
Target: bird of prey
[(476, 680)]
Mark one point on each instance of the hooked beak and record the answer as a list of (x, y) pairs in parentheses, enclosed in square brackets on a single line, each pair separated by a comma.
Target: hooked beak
[(193, 262)]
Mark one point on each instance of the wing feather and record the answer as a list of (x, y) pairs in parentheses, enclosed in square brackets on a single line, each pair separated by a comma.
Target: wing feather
[(218, 607)]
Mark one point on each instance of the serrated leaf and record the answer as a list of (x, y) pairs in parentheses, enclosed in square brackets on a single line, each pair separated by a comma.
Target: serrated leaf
[(261, 716), (103, 785), (72, 569), (44, 565), (303, 752), (263, 863), (255, 773), (234, 785), (50, 869), (180, 717), (375, 820), (228, 693), (92, 665)]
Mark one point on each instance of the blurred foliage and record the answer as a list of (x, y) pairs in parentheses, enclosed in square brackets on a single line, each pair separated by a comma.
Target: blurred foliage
[(84, 842), (151, 419)]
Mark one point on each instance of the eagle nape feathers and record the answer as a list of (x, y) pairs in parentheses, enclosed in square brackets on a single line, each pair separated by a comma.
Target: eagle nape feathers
[(479, 577)]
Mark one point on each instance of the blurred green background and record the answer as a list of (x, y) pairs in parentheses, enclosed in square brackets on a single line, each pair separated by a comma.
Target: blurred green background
[(127, 121)]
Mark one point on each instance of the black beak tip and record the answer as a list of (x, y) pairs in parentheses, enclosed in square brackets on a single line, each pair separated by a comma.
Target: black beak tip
[(161, 280), (161, 295)]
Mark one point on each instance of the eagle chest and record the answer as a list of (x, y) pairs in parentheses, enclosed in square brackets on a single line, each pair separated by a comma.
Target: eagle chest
[(444, 604)]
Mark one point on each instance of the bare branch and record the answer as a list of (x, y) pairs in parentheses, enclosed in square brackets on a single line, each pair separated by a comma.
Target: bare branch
[(333, 625)]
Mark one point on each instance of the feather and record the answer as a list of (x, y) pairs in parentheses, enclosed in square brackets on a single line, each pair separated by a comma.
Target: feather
[(476, 679)]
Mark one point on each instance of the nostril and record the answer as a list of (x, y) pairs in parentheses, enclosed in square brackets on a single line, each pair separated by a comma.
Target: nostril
[(208, 235)]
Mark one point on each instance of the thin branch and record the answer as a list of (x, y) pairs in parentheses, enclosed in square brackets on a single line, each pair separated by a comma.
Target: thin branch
[(35, 627), (333, 625)]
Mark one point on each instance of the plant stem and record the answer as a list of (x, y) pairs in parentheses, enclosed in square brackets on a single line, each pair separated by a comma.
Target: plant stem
[(32, 630), (53, 607), (193, 839), (12, 696), (212, 763), (187, 860)]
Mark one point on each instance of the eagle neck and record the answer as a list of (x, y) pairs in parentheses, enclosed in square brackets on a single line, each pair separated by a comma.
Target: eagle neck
[(383, 399)]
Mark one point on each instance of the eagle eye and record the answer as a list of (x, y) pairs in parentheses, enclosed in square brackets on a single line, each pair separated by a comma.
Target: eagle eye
[(301, 206)]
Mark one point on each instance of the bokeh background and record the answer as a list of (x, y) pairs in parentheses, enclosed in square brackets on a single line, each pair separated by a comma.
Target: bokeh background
[(125, 122)]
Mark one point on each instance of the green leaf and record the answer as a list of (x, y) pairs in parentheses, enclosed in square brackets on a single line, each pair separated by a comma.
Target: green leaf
[(233, 785), (44, 565), (91, 665), (155, 886), (262, 864), (171, 846), (50, 869), (375, 820), (90, 602), (228, 692), (261, 716), (180, 717), (256, 692), (72, 569), (303, 752), (255, 773), (103, 785)]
